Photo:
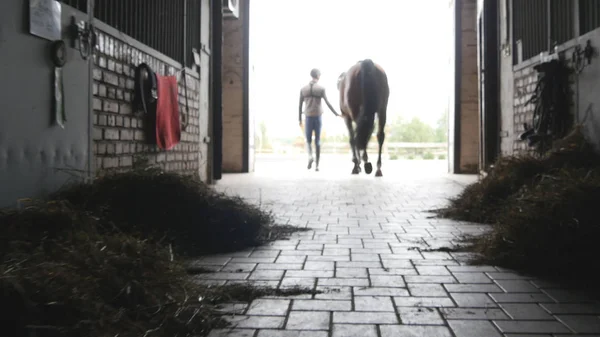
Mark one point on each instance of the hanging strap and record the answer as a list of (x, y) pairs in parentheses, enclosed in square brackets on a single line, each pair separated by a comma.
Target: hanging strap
[(185, 118), (60, 115), (311, 94), (58, 54)]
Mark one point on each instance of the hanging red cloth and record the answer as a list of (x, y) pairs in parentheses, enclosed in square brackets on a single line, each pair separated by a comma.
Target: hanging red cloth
[(168, 127)]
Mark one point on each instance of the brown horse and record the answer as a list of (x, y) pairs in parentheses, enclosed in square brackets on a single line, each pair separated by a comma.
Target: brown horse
[(364, 92)]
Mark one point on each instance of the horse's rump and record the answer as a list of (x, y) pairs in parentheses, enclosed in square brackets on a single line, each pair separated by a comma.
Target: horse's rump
[(364, 92), (370, 92)]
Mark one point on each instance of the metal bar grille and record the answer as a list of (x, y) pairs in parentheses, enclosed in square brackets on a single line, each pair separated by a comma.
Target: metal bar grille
[(589, 15), (155, 23), (561, 21), (80, 5), (193, 30), (530, 20)]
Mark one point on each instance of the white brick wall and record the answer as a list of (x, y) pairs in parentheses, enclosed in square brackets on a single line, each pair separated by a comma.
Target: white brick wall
[(118, 135)]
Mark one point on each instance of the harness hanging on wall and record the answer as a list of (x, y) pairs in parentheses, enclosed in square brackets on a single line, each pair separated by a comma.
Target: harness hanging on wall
[(58, 54), (551, 117), (157, 96), (145, 99)]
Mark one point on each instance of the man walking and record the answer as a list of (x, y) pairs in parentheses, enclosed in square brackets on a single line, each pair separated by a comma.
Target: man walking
[(311, 94)]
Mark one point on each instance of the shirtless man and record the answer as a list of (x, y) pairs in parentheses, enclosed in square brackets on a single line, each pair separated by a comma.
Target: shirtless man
[(312, 94)]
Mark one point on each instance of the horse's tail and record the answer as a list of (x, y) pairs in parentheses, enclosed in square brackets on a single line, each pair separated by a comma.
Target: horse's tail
[(366, 119)]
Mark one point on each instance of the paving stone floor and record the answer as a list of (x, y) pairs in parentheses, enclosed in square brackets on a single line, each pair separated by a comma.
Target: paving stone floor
[(362, 252)]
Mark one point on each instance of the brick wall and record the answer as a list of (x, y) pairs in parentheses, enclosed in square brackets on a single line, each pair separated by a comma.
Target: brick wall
[(525, 80), (469, 97), (119, 139), (233, 93)]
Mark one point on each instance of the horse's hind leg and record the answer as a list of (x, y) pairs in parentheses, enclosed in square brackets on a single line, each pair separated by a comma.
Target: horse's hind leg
[(380, 139), (368, 166), (356, 169)]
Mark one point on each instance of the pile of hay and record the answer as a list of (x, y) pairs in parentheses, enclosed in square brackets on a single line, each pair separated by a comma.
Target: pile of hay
[(96, 260), (68, 273), (550, 228), (484, 200), (175, 209), (543, 211)]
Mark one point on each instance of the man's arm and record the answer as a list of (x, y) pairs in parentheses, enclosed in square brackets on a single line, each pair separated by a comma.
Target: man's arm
[(300, 108), (329, 104)]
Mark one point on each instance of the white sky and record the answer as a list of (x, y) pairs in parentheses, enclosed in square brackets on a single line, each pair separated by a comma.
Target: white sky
[(411, 40)]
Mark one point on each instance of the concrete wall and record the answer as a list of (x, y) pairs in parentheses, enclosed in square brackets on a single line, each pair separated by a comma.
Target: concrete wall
[(118, 136), (34, 153), (518, 83), (587, 100), (233, 92), (469, 90)]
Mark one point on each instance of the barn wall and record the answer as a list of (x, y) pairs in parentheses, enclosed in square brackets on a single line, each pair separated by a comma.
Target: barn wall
[(102, 133), (469, 89), (37, 156), (587, 100), (233, 93), (524, 80), (518, 83), (507, 83), (205, 154), (118, 136)]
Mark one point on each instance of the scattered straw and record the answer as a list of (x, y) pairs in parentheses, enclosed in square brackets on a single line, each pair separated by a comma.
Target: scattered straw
[(247, 293)]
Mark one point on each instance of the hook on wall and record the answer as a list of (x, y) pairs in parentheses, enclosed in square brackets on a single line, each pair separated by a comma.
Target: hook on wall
[(83, 33), (588, 51), (580, 55)]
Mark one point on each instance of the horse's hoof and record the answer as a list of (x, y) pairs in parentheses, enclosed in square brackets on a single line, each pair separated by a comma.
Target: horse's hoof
[(368, 168), (378, 173), (356, 170)]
